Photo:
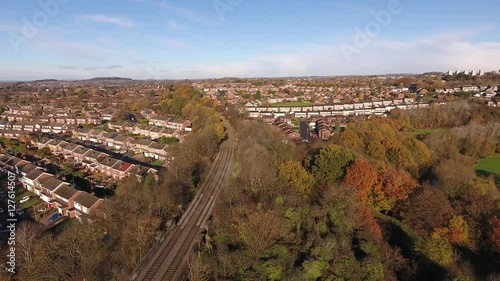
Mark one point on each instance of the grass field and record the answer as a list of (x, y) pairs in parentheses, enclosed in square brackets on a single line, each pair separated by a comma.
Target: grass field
[(293, 103), (489, 166)]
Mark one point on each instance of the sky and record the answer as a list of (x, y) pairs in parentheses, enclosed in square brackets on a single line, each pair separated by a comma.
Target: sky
[(191, 39)]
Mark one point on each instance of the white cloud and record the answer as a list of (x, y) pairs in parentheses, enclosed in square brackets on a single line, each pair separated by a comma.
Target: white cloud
[(384, 55), (119, 21), (380, 57)]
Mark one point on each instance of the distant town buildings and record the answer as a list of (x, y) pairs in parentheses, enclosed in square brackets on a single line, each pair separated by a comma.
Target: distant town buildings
[(472, 73)]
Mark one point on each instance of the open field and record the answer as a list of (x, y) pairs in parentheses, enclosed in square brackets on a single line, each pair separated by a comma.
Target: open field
[(489, 166), (293, 103)]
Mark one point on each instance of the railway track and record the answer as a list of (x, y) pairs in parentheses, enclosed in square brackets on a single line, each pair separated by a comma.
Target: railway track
[(169, 261)]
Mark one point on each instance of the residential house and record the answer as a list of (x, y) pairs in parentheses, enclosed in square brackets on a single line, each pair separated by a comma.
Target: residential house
[(65, 196), (86, 203)]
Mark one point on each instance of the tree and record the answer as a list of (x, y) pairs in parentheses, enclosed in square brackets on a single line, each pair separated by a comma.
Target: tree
[(350, 139), (43, 152), (426, 209), (21, 149), (494, 232), (453, 173), (26, 236), (140, 105), (297, 177), (220, 132), (315, 269), (376, 150), (437, 249), (397, 185), (477, 199), (259, 231), (458, 231), (149, 181), (330, 164), (80, 93), (363, 177)]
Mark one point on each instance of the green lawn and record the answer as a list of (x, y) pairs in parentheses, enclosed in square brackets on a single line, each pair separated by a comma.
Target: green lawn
[(34, 199), (489, 166), (293, 103)]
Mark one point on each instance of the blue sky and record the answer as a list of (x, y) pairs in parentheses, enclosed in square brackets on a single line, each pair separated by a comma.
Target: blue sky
[(157, 39)]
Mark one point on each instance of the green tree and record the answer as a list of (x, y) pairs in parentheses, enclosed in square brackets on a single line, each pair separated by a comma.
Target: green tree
[(330, 164), (376, 150), (315, 269), (297, 177), (43, 152), (21, 149), (437, 249)]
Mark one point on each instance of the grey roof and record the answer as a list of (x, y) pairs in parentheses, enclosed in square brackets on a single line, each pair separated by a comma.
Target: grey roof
[(145, 142), (93, 154), (108, 161), (85, 199), (66, 191), (139, 170), (156, 145), (95, 132), (81, 150), (110, 135), (83, 131), (71, 146), (28, 168), (4, 158), (50, 183), (121, 138), (34, 174)]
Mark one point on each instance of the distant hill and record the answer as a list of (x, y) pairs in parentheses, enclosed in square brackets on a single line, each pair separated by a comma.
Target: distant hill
[(108, 79)]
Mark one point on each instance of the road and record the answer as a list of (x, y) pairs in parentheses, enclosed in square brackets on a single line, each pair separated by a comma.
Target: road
[(170, 260)]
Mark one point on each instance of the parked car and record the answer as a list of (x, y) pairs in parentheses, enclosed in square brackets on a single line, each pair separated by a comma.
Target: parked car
[(54, 217), (24, 199)]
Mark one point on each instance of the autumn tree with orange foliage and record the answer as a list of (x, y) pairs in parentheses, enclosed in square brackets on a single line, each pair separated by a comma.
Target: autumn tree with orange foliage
[(362, 177), (381, 189), (396, 185)]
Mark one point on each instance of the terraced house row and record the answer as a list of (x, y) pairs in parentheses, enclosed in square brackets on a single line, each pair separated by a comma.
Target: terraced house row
[(150, 131), (43, 113), (15, 128), (94, 161), (350, 109), (57, 194), (116, 141)]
